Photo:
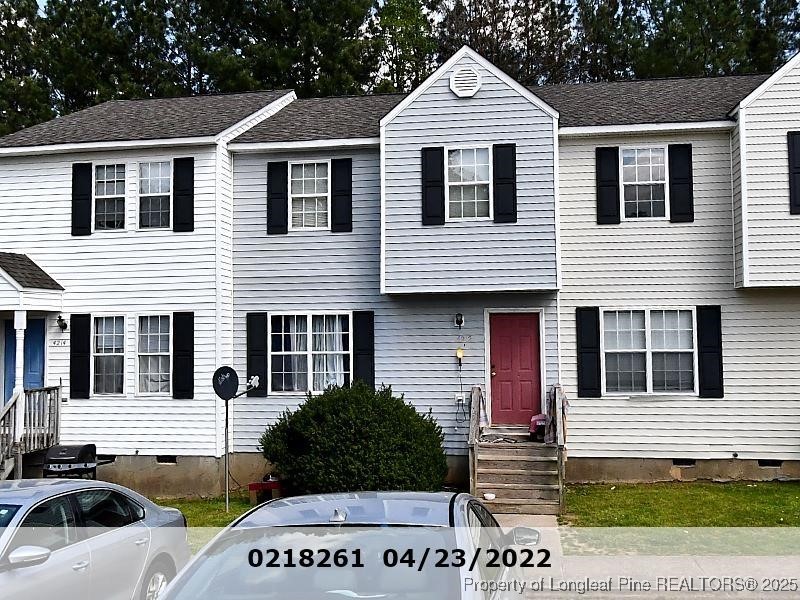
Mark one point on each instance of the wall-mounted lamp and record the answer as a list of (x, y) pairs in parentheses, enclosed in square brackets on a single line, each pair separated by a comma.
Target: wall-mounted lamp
[(459, 355), (62, 324), (459, 320)]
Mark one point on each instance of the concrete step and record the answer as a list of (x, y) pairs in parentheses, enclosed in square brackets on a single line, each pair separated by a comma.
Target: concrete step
[(519, 490), (523, 506)]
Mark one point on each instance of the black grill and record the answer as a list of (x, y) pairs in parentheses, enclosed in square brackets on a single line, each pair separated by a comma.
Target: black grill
[(71, 461)]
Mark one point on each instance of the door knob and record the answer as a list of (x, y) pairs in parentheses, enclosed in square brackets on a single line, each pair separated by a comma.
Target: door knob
[(493, 372)]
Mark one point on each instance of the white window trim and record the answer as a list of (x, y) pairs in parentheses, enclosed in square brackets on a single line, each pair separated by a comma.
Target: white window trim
[(139, 197), (648, 352), (291, 196), (137, 354), (95, 196), (622, 183), (308, 352), (92, 354), (447, 217)]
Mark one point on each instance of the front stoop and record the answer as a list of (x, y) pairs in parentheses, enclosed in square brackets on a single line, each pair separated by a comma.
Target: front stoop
[(523, 476)]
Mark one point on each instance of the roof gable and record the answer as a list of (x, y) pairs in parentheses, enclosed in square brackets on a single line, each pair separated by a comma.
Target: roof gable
[(754, 95), (471, 56)]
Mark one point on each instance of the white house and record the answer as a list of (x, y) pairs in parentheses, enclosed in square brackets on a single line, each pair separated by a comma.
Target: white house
[(630, 243)]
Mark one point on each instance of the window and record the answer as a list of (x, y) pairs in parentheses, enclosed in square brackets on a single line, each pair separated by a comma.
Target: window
[(50, 524), (644, 182), (109, 355), (154, 355), (155, 184), (107, 509), (309, 195), (309, 352), (468, 186), (649, 351), (109, 197)]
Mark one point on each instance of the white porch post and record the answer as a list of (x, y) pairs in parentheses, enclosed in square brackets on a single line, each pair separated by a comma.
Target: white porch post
[(20, 323)]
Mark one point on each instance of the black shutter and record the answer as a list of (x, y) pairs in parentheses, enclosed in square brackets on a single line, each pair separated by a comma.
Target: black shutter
[(364, 346), (342, 195), (709, 345), (277, 197), (587, 323), (82, 199), (183, 355), (183, 194), (79, 355), (257, 352), (433, 186), (794, 172), (681, 189), (607, 175), (504, 169)]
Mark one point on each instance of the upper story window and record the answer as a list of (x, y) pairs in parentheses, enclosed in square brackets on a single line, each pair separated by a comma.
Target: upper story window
[(109, 197), (108, 348), (468, 184), (154, 354), (644, 182), (155, 194), (309, 352), (309, 195), (649, 351)]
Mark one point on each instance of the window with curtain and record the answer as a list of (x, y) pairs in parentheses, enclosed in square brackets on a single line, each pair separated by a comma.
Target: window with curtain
[(154, 355), (309, 195), (109, 355), (649, 351), (644, 182), (309, 352), (468, 183), (109, 197), (155, 182)]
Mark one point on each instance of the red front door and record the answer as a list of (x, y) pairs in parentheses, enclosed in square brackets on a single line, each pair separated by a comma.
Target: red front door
[(515, 368)]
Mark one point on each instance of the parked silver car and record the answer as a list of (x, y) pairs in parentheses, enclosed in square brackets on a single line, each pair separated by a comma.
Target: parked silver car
[(380, 545), (77, 539)]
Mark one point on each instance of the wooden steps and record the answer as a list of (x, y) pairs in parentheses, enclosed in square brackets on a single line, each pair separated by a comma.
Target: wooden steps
[(522, 475), (6, 468)]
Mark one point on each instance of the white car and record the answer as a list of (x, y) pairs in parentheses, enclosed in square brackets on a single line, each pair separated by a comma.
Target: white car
[(76, 539)]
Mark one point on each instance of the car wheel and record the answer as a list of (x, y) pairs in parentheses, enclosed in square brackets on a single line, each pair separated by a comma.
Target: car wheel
[(156, 579)]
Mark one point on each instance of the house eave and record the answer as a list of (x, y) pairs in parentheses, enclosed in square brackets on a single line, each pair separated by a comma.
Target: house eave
[(722, 125), (104, 146), (245, 147)]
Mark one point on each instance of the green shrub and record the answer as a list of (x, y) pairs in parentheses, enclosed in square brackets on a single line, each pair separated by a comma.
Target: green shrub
[(351, 439)]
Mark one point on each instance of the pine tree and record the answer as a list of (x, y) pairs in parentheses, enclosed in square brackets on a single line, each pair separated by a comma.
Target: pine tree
[(404, 34), (24, 99), (608, 39)]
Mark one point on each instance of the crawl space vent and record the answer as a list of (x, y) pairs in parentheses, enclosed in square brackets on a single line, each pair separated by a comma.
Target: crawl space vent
[(465, 82)]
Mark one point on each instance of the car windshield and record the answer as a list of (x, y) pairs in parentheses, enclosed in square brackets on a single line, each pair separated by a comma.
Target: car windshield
[(7, 512), (266, 563)]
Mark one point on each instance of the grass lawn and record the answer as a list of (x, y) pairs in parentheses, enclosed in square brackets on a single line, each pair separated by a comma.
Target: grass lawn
[(201, 512), (763, 504)]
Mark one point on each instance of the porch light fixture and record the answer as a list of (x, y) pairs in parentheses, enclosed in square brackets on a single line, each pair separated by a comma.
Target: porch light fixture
[(459, 320), (459, 356), (62, 324)]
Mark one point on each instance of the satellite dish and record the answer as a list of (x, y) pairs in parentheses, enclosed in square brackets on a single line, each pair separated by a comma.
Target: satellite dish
[(226, 383)]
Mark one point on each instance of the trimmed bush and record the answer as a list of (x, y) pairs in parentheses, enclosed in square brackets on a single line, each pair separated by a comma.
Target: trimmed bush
[(353, 439)]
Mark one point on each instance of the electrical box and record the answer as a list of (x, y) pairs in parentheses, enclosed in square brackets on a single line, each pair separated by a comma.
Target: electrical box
[(459, 398)]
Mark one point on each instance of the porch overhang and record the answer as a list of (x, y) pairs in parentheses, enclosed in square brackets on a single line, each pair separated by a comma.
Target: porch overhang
[(24, 285)]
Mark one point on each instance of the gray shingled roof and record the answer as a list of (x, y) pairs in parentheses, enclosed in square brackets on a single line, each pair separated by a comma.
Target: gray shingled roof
[(325, 119), (648, 100), (154, 118), (26, 272)]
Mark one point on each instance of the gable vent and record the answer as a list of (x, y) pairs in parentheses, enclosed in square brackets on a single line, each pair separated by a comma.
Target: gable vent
[(465, 82)]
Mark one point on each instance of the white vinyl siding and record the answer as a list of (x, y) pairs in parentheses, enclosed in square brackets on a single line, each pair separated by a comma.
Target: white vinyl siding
[(127, 273), (772, 233), (655, 264)]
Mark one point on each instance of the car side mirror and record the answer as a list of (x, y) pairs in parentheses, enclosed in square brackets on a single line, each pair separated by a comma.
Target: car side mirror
[(523, 536), (28, 556)]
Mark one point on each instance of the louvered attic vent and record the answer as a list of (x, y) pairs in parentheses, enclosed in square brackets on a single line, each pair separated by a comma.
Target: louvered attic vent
[(465, 82)]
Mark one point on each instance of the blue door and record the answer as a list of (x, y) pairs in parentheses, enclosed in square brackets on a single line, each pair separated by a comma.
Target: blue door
[(33, 372)]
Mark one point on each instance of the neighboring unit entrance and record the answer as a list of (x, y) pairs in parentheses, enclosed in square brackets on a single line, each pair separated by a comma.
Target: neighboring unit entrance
[(514, 360), (34, 357)]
